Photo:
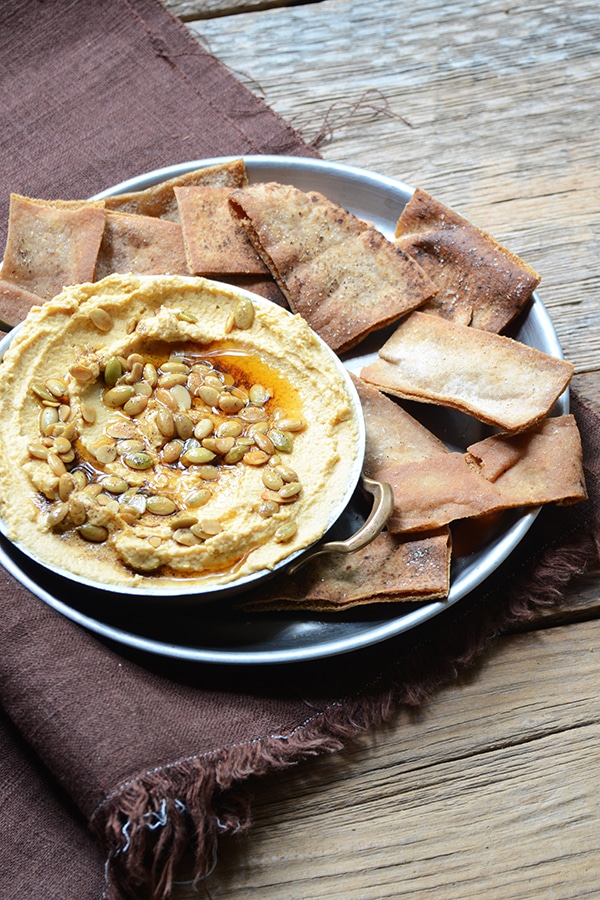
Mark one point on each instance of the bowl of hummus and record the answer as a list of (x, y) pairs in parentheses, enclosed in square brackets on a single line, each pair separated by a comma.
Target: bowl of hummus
[(171, 435)]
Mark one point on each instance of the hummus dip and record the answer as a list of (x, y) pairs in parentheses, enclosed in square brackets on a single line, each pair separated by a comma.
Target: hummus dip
[(172, 434)]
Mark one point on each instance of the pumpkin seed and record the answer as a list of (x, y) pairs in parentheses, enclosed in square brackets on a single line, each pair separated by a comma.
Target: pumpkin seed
[(57, 387), (285, 532), (114, 484), (229, 403), (268, 508), (172, 451), (292, 425), (138, 460), (143, 388), (208, 394), (185, 537), (129, 445), (286, 473), (198, 497), (258, 394), (272, 480), (292, 489), (183, 426), (48, 418), (282, 441), (106, 453), (166, 398), (88, 413), (129, 513), (253, 414), (80, 478), (66, 486), (203, 428), (57, 514), (183, 520), (41, 391), (255, 457), (207, 473), (135, 405), (235, 454), (263, 442), (182, 396), (101, 319), (83, 373), (160, 505), (165, 422), (229, 428), (37, 450), (119, 395), (175, 365), (197, 456), (243, 314), (56, 464), (62, 445), (97, 534), (150, 374), (112, 371)]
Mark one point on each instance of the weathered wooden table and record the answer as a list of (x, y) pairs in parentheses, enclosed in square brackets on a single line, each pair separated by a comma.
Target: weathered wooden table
[(493, 790)]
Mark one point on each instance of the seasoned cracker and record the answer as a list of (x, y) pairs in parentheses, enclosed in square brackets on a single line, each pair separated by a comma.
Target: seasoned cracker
[(344, 277), (479, 282), (50, 244), (541, 465), (159, 200), (141, 245), (390, 569), (215, 242), (491, 377)]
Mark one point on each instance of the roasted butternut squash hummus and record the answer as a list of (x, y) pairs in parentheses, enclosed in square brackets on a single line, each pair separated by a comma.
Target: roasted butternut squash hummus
[(168, 429)]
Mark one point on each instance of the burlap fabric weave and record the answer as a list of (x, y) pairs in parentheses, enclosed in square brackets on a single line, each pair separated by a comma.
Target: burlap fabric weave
[(113, 762)]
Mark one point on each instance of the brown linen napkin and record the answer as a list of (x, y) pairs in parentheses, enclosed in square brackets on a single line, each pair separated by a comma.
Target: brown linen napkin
[(142, 752)]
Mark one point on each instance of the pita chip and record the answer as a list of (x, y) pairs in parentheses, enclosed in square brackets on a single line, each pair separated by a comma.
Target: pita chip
[(338, 272), (542, 465), (390, 569), (393, 436), (214, 241), (15, 303), (159, 200), (491, 377), (434, 492), (479, 282), (263, 285), (51, 245), (142, 245)]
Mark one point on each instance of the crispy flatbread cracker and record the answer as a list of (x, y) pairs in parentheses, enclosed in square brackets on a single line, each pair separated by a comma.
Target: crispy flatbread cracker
[(393, 436), (142, 245), (214, 241), (434, 492), (159, 200), (479, 282), (51, 245), (344, 277), (542, 465), (15, 303), (491, 377), (389, 570)]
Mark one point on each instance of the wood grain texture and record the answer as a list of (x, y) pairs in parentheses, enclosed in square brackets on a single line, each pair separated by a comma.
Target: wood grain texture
[(482, 794)]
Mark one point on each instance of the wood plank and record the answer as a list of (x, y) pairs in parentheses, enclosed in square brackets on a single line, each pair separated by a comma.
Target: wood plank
[(485, 792), (191, 10), (452, 109)]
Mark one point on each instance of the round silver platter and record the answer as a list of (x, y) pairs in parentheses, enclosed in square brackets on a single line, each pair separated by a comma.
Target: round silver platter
[(220, 633)]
